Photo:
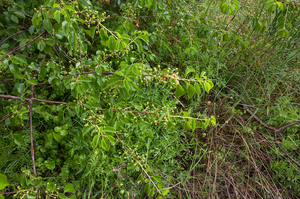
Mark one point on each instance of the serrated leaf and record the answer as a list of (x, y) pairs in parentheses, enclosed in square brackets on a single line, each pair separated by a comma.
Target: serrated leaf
[(69, 188), (179, 91), (191, 91)]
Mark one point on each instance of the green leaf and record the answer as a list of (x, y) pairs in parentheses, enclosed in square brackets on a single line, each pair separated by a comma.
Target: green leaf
[(193, 124), (207, 86), (139, 45), (179, 91), (65, 28), (19, 14), (31, 196), (112, 43), (84, 79), (3, 181), (15, 70), (21, 59), (20, 88), (87, 129), (189, 69), (145, 38), (62, 196), (140, 178), (5, 45), (64, 132), (165, 192), (57, 16), (191, 91), (73, 196), (69, 188), (72, 39), (151, 192), (14, 18), (105, 144), (103, 34), (126, 85), (109, 129), (32, 81), (187, 126), (92, 32), (147, 189), (1, 196), (111, 138), (197, 88), (55, 5), (69, 7), (157, 178), (160, 185), (50, 164), (95, 142), (112, 81), (47, 25)]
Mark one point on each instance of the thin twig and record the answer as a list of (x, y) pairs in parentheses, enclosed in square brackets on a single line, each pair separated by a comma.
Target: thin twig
[(18, 48), (10, 114), (31, 99)]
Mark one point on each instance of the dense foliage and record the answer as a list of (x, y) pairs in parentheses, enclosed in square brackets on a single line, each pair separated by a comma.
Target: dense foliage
[(113, 99)]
